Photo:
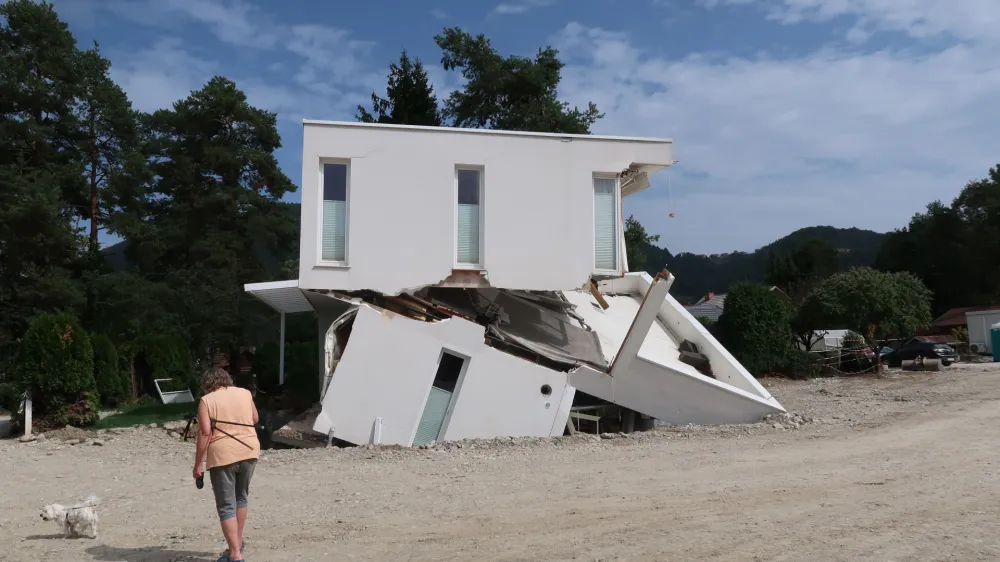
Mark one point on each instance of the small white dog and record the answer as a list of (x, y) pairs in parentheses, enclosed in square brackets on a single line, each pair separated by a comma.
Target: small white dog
[(78, 520)]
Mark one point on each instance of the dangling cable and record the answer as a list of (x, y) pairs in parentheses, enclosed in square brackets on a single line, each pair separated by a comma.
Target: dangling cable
[(670, 193)]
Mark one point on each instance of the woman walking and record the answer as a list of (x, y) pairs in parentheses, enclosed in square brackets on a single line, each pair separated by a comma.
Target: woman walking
[(228, 445)]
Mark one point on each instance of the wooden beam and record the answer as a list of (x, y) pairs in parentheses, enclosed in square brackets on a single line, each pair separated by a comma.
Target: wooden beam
[(597, 295)]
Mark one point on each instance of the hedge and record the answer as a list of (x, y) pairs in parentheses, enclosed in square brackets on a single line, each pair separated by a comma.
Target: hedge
[(755, 328), (55, 363), (113, 383), (162, 356)]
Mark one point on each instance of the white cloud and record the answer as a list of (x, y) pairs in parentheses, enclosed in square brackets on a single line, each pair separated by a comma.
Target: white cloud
[(156, 77), (439, 14), (767, 145), (962, 19), (328, 73), (521, 6)]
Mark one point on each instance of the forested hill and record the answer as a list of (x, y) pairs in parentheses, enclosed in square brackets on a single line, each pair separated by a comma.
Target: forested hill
[(699, 274), (696, 274)]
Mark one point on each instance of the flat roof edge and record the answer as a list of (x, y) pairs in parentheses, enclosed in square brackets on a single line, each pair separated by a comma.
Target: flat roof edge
[(464, 130)]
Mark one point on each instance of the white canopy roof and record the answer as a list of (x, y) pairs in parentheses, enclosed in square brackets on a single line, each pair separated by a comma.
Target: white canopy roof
[(283, 296)]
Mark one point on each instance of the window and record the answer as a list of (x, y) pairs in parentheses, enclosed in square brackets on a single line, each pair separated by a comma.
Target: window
[(605, 223), (469, 224), (334, 182), (439, 399)]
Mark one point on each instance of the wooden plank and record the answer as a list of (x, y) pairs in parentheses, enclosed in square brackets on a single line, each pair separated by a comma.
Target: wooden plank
[(597, 295)]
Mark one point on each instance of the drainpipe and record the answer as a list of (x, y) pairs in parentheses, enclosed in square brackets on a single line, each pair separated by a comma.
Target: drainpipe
[(281, 353)]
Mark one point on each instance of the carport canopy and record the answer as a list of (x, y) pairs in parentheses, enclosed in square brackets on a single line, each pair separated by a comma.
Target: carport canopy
[(286, 298)]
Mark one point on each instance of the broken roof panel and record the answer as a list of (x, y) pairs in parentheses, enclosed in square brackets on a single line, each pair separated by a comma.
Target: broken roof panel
[(529, 320), (612, 326)]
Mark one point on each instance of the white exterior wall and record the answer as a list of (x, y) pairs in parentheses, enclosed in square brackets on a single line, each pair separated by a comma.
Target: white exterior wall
[(979, 324), (672, 396), (389, 365), (538, 203), (683, 326)]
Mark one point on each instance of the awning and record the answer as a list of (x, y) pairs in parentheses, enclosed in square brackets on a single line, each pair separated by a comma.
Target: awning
[(282, 296)]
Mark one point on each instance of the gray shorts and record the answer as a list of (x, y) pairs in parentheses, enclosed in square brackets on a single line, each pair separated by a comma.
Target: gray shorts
[(231, 485)]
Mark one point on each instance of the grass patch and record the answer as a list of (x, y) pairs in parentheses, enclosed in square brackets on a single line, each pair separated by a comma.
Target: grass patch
[(142, 414)]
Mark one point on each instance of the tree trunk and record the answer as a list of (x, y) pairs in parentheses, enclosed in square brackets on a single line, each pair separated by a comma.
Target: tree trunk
[(93, 186)]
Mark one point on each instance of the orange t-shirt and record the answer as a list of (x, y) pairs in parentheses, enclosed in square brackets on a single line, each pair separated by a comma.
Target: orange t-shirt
[(231, 404)]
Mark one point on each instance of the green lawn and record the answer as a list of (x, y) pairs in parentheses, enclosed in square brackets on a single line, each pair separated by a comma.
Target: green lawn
[(140, 414)]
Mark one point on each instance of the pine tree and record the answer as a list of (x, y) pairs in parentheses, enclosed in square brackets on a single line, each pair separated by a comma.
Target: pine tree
[(410, 100), (41, 176), (512, 93), (212, 210)]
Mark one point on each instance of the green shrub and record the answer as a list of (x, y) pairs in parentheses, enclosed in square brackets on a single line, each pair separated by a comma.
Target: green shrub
[(265, 366), (55, 363), (852, 358), (755, 328), (113, 387), (802, 365), (301, 370), (162, 356)]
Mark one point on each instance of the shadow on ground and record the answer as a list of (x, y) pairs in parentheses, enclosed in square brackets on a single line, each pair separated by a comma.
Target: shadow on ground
[(43, 537), (148, 554)]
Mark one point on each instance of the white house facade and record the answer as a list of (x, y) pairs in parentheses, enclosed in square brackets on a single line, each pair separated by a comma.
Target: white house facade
[(473, 283)]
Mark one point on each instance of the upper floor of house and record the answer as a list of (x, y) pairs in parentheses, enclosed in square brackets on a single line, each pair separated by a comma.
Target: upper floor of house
[(395, 207)]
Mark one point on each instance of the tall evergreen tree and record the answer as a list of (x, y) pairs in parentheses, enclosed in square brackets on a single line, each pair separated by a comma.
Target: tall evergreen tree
[(108, 142), (513, 93), (410, 100), (41, 176), (213, 211)]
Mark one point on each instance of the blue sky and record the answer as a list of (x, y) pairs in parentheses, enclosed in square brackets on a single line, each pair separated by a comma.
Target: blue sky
[(784, 113)]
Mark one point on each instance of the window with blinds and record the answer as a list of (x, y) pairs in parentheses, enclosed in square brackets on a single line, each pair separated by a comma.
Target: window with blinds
[(605, 224), (334, 242), (440, 398), (469, 224)]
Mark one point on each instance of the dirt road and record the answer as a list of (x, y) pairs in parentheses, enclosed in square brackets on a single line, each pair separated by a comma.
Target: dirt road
[(897, 468)]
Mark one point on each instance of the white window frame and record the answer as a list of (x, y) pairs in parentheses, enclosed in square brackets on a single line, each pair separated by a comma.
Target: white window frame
[(619, 246), (347, 215), (482, 220)]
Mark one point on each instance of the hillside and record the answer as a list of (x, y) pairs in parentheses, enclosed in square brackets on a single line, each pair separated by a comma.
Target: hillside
[(696, 274), (699, 274)]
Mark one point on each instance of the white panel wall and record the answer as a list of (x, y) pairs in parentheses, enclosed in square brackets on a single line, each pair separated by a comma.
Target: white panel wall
[(538, 201), (683, 326), (672, 396), (499, 395)]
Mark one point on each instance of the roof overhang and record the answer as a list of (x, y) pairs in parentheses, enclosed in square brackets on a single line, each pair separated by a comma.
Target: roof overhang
[(282, 296), (635, 178)]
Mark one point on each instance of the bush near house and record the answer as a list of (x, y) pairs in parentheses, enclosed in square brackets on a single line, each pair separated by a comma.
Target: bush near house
[(113, 387), (802, 365), (161, 356), (301, 370), (852, 354), (55, 363), (755, 328)]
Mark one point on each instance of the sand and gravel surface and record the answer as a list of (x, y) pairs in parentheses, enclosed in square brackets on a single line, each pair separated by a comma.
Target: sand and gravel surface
[(892, 468)]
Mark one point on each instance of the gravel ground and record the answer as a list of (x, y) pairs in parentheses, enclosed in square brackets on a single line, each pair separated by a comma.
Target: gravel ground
[(898, 467)]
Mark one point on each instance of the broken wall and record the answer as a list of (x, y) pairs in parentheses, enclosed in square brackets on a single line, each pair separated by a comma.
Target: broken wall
[(389, 365), (676, 319), (673, 396), (537, 204)]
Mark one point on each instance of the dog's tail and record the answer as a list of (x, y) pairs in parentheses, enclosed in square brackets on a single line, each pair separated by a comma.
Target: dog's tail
[(91, 501)]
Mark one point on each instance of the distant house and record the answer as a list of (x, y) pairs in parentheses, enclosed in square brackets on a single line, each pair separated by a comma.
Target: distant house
[(954, 318), (710, 306)]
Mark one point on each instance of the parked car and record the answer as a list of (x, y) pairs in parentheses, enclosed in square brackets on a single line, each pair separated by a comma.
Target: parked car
[(919, 348)]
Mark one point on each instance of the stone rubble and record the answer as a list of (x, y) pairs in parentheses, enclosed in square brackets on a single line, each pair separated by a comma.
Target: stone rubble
[(172, 432)]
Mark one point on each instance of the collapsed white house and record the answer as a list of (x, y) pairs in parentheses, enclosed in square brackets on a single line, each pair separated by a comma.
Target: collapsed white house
[(468, 283)]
